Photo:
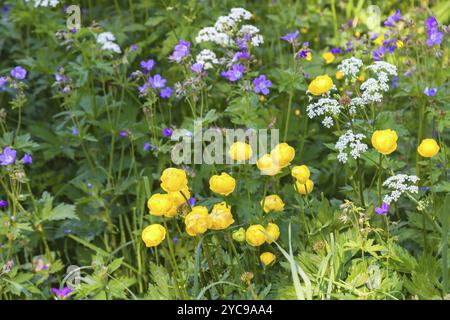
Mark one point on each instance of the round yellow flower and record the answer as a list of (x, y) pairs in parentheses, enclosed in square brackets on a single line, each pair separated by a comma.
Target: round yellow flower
[(240, 151), (197, 221), (361, 78), (308, 56), (379, 41), (304, 30), (267, 258), (160, 204), (272, 203), (385, 141), (273, 231), (357, 34), (328, 57), (301, 173), (180, 197), (339, 75), (298, 113), (262, 98), (305, 188), (239, 235), (255, 235), (320, 85), (400, 44), (173, 180), (153, 235), (428, 148), (223, 184), (221, 217), (267, 166), (283, 154)]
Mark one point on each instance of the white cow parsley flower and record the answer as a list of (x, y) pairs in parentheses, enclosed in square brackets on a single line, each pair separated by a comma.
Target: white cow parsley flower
[(350, 67), (239, 14), (400, 184), (107, 40), (382, 66), (350, 143), (45, 3), (325, 106), (356, 103), (207, 58)]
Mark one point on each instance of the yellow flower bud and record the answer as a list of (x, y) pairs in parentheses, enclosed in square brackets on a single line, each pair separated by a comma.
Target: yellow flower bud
[(357, 34), (255, 235), (267, 258), (320, 85), (379, 41), (221, 217), (304, 30), (304, 188), (272, 203), (223, 184), (428, 148), (240, 151), (197, 221), (384, 141), (267, 166), (160, 204), (298, 113), (301, 173), (262, 98), (328, 57), (173, 180), (239, 235), (400, 44), (283, 154), (361, 78), (273, 231), (339, 75), (153, 235)]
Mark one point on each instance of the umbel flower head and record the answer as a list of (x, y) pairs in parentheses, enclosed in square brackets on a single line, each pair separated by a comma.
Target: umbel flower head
[(221, 217), (428, 148), (197, 221), (267, 258), (320, 85), (223, 184), (385, 141), (153, 235), (255, 235), (240, 151), (173, 180), (272, 203)]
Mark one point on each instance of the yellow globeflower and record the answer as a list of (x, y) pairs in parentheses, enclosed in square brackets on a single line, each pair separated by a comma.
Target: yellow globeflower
[(301, 173), (180, 197), (223, 184), (240, 151), (267, 258), (197, 221), (273, 231), (385, 141), (320, 85), (400, 44), (239, 235), (160, 204), (272, 203), (173, 179), (339, 75), (328, 57), (255, 235), (304, 30), (428, 148), (267, 166), (283, 154), (221, 217), (153, 235), (357, 34), (305, 188), (379, 41), (308, 56)]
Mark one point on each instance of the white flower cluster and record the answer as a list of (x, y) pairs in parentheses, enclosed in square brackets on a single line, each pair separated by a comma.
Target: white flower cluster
[(399, 184), (325, 106), (253, 32), (211, 34), (372, 88), (356, 103), (107, 40), (207, 58), (350, 67), (350, 142), (44, 3)]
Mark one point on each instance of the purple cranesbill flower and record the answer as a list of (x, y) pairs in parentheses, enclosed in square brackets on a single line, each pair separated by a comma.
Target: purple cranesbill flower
[(192, 201), (197, 67), (241, 55), (74, 131), (166, 92), (262, 85), (431, 23), (157, 81), (5, 9), (123, 134), (133, 47), (383, 210), (434, 36), (306, 44), (146, 146), (63, 293), (424, 188), (67, 231), (3, 203), (391, 20), (335, 51), (167, 132), (19, 73), (303, 53), (143, 89), (242, 43), (148, 65), (291, 37), (378, 54), (3, 82), (394, 82), (175, 240), (27, 159), (8, 156), (235, 73), (181, 51), (430, 92)]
